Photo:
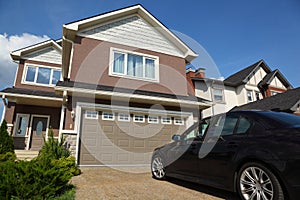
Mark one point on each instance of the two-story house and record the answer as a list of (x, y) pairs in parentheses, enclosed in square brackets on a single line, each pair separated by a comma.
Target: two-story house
[(31, 106), (252, 83), (114, 87)]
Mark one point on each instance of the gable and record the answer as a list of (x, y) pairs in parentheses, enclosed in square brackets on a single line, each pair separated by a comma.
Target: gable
[(133, 31), (257, 76), (277, 83), (49, 54)]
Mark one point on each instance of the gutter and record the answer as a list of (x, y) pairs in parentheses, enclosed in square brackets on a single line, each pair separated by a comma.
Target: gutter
[(124, 95)]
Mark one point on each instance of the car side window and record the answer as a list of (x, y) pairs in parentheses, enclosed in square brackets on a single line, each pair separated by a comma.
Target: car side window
[(243, 126), (193, 134), (229, 125)]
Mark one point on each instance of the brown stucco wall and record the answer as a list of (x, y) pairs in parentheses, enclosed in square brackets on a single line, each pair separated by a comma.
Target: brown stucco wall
[(90, 64), (20, 71), (9, 112)]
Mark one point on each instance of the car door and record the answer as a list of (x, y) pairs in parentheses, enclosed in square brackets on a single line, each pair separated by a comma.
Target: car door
[(185, 153), (225, 136)]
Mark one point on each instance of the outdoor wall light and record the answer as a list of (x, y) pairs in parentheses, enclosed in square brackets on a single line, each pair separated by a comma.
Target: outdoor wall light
[(73, 115)]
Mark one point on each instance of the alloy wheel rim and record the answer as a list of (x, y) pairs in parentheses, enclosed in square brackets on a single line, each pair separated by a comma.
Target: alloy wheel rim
[(256, 184), (158, 168)]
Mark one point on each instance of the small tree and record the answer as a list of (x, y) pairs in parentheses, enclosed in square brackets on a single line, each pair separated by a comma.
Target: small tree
[(53, 148), (6, 140)]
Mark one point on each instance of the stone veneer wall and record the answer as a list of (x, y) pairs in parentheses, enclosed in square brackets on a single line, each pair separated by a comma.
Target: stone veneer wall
[(70, 143)]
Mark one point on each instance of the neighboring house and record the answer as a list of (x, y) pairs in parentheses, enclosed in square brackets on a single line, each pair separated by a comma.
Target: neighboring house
[(255, 82), (122, 89), (288, 101)]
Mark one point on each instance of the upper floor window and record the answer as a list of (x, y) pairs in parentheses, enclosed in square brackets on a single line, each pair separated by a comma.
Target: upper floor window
[(42, 75), (218, 95), (249, 96), (134, 65), (257, 95)]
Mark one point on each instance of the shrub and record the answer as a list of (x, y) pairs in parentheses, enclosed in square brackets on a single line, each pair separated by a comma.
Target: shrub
[(33, 179), (53, 148), (9, 156), (45, 177), (6, 140)]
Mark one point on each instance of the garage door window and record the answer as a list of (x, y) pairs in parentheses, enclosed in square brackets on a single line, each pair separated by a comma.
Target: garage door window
[(123, 117), (89, 114), (166, 120), (152, 119), (108, 116), (139, 118), (178, 121)]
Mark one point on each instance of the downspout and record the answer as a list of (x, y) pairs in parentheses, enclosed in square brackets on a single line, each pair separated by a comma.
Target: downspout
[(71, 55)]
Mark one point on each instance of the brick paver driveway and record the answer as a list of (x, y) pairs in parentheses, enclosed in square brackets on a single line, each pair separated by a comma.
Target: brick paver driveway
[(107, 183)]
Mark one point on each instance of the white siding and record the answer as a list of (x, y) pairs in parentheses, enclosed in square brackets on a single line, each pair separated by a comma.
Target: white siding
[(277, 83), (203, 90), (133, 31), (49, 54)]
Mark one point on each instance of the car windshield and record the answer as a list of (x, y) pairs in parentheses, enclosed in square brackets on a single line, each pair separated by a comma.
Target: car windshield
[(283, 118)]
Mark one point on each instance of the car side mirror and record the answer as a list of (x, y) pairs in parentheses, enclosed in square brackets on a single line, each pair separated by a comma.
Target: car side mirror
[(176, 137)]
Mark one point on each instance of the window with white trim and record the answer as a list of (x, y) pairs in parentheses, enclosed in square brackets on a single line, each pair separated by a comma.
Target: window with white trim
[(178, 121), (42, 75), (123, 117), (249, 96), (91, 114), (134, 65), (218, 95), (153, 119), (139, 118), (108, 116), (166, 120)]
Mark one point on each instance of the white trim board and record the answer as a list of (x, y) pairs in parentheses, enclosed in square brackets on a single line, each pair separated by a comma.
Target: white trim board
[(126, 95)]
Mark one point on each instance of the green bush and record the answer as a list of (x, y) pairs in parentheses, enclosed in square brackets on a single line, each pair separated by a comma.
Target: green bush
[(53, 148), (33, 179), (45, 177), (6, 140), (9, 156)]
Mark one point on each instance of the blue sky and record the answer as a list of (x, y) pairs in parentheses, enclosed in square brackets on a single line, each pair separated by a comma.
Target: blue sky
[(232, 33)]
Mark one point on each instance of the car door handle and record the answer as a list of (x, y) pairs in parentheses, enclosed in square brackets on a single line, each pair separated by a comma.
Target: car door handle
[(232, 145)]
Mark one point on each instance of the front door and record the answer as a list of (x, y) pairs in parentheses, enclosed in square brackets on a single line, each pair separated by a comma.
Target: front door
[(38, 132)]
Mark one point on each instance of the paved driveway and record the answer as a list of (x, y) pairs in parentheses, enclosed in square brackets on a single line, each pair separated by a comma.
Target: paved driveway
[(107, 183)]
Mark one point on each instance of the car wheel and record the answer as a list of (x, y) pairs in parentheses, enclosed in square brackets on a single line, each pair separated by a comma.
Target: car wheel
[(158, 168), (255, 181)]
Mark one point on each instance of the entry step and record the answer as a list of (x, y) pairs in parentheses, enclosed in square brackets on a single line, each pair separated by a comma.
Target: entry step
[(26, 154)]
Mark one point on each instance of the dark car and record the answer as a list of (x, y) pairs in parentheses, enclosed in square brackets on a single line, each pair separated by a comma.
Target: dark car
[(254, 153)]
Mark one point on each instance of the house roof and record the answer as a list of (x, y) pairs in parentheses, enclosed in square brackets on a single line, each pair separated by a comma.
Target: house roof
[(287, 101), (71, 29), (269, 77), (17, 54), (79, 87), (241, 77)]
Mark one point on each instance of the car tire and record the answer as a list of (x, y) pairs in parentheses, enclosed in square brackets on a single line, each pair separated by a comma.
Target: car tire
[(158, 168), (254, 180)]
